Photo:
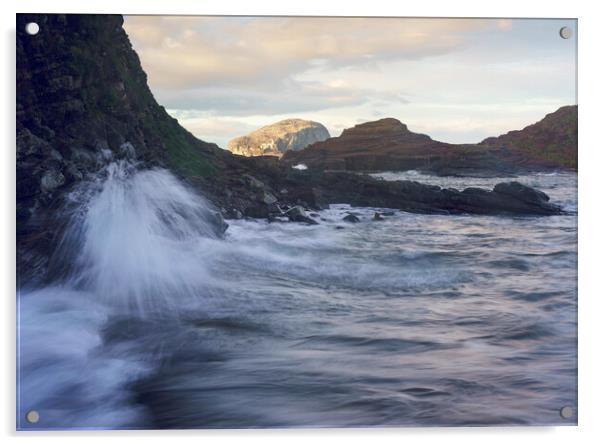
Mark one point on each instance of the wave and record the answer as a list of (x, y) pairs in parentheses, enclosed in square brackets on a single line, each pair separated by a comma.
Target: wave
[(63, 370), (136, 243)]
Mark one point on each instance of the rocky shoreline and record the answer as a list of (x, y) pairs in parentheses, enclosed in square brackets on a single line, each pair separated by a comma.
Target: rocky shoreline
[(84, 102), (302, 192)]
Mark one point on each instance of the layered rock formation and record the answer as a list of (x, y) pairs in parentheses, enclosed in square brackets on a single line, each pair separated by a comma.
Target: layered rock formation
[(277, 138), (387, 144)]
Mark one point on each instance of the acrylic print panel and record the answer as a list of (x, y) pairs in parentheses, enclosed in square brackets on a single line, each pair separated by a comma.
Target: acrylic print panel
[(353, 222)]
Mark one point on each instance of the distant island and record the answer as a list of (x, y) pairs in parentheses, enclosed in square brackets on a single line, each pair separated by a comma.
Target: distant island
[(278, 138)]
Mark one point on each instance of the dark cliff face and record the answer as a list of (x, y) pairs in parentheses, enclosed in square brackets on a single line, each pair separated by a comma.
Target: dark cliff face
[(82, 100), (387, 144)]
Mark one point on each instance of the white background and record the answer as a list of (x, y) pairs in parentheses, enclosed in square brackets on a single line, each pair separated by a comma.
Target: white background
[(590, 224)]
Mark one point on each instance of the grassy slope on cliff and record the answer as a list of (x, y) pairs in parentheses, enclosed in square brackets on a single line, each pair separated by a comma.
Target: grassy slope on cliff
[(552, 140), (80, 87)]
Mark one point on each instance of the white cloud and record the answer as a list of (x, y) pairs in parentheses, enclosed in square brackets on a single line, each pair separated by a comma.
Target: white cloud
[(285, 96), (184, 52)]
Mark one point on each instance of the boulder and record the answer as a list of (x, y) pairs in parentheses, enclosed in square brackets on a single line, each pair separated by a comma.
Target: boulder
[(268, 198), (522, 192), (351, 218), (297, 214), (51, 180)]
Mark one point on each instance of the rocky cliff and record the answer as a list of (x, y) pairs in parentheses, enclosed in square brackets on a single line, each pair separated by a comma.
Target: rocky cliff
[(388, 144), (385, 144), (551, 141), (82, 99), (277, 138)]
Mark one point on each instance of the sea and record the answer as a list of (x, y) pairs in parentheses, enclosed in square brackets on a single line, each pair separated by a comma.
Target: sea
[(413, 320)]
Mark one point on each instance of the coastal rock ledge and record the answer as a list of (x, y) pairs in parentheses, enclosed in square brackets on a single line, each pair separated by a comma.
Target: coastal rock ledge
[(357, 190), (277, 138)]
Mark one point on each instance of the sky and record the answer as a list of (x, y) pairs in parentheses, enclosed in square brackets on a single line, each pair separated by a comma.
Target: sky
[(457, 80)]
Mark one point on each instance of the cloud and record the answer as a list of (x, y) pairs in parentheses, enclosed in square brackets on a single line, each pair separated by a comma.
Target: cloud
[(284, 96), (185, 52), (217, 127), (213, 129)]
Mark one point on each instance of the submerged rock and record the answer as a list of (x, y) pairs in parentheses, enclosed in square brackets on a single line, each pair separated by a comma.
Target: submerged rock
[(217, 222), (351, 218), (520, 191), (278, 218), (377, 217)]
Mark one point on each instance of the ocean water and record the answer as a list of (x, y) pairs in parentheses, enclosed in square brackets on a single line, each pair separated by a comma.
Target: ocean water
[(417, 320)]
